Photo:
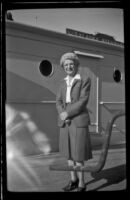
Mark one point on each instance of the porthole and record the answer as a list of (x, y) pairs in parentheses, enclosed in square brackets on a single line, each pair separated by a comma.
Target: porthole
[(46, 68), (117, 76)]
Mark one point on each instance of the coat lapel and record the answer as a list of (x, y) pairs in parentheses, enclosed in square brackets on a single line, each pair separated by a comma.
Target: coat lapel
[(64, 90), (75, 82), (65, 87)]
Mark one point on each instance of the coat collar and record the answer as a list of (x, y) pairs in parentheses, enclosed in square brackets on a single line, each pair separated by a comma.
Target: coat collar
[(76, 77)]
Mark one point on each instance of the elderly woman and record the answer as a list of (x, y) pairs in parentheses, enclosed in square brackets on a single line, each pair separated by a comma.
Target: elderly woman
[(71, 101)]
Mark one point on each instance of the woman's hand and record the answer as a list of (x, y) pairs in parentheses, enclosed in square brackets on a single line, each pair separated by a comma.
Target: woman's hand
[(63, 115)]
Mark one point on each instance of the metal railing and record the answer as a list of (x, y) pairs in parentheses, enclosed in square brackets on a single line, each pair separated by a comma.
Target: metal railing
[(104, 151)]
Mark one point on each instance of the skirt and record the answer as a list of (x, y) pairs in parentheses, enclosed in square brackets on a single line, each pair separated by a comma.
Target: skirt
[(75, 143)]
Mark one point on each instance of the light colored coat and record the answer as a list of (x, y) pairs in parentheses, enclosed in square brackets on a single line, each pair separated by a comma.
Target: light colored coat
[(74, 140), (77, 110)]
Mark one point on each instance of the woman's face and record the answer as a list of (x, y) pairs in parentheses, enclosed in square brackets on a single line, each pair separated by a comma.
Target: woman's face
[(70, 67)]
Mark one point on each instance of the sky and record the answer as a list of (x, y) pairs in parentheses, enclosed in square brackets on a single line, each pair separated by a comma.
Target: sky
[(89, 20)]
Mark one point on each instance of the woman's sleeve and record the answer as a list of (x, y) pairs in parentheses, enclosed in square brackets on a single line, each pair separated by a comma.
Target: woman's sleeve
[(59, 101), (79, 106)]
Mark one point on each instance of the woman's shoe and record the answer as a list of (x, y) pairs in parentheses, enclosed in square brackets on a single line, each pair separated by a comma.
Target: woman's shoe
[(81, 189), (71, 186)]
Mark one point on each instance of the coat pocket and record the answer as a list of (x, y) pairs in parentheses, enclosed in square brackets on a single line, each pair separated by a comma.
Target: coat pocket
[(82, 120)]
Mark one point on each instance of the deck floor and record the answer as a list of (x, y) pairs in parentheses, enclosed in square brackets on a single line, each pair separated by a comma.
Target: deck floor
[(33, 173)]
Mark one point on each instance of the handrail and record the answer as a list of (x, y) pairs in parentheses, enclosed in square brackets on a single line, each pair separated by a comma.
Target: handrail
[(111, 102), (98, 167)]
